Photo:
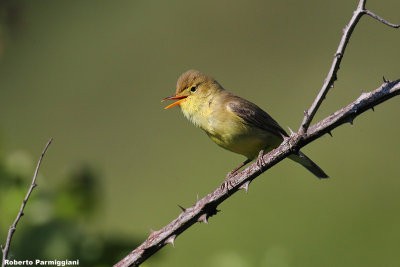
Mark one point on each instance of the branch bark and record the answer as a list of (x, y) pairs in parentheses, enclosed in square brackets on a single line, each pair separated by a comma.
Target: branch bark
[(13, 227), (332, 74), (207, 207)]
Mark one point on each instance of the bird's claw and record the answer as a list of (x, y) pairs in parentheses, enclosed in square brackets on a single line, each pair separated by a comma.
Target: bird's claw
[(227, 183), (225, 186), (287, 141), (260, 160)]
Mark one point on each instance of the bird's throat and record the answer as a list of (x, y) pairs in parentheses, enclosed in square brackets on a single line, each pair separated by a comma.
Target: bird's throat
[(198, 111)]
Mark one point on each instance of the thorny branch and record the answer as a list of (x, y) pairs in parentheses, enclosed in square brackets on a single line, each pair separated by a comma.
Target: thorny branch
[(332, 74), (207, 206), (13, 227)]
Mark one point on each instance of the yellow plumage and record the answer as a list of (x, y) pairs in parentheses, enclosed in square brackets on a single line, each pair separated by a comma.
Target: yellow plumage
[(230, 121)]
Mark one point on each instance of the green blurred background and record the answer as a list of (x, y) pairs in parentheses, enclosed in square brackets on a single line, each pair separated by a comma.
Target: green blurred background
[(91, 74)]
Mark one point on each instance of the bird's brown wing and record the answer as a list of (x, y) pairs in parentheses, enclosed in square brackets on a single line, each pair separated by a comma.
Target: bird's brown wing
[(255, 116)]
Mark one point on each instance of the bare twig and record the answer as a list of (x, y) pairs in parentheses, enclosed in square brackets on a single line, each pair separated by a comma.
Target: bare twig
[(207, 207), (332, 74), (370, 13), (21, 211)]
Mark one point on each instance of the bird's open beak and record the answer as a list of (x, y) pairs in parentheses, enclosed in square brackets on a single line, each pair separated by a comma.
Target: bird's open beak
[(175, 103)]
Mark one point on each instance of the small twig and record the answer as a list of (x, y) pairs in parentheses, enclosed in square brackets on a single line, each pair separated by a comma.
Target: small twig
[(332, 74), (207, 206), (21, 211), (370, 13)]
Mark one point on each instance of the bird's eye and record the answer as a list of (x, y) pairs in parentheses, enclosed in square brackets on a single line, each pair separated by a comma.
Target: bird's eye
[(193, 89)]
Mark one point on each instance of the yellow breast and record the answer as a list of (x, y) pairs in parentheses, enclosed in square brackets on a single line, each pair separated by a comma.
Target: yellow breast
[(227, 129)]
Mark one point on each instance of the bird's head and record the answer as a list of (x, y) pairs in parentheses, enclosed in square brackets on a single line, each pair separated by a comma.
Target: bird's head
[(193, 89)]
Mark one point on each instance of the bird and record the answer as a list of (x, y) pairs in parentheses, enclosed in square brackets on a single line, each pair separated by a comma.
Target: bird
[(232, 122)]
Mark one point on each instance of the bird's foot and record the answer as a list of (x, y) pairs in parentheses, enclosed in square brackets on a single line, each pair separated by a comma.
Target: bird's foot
[(260, 161), (288, 140), (227, 183), (225, 186)]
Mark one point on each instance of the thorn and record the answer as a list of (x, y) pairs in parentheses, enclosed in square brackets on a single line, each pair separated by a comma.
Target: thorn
[(385, 80), (152, 233), (182, 208), (245, 186), (338, 55), (372, 108), (351, 121), (291, 131), (171, 240), (364, 94), (330, 133), (197, 197), (306, 113), (203, 218)]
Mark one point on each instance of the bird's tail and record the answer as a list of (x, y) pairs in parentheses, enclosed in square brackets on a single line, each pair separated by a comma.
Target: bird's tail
[(308, 164)]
